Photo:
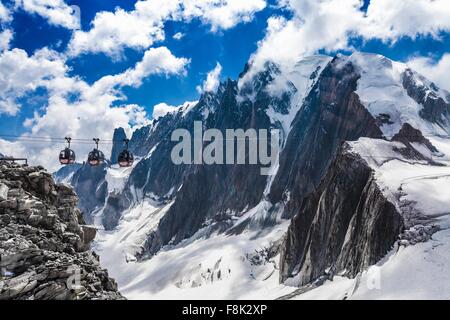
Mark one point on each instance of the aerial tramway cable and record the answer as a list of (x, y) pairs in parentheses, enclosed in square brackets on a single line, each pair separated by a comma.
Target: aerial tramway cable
[(125, 158)]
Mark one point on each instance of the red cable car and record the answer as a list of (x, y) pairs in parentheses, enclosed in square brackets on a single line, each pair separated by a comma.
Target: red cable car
[(67, 156), (125, 158), (96, 157)]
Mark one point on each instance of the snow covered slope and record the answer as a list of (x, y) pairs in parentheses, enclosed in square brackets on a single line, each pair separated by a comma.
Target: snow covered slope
[(381, 89), (417, 266), (218, 266), (302, 76)]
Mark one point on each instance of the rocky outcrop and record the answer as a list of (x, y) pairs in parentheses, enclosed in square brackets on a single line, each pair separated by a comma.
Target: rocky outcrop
[(116, 204), (118, 137), (408, 135), (90, 185), (344, 226), (44, 243), (332, 113), (434, 108)]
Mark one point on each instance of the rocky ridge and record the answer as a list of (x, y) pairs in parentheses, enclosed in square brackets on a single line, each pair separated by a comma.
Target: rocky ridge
[(44, 243), (345, 226)]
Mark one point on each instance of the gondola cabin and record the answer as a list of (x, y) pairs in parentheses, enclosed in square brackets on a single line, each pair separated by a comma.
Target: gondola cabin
[(125, 159), (96, 157), (67, 156)]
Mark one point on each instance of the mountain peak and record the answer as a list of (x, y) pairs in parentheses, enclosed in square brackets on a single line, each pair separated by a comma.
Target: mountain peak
[(118, 137)]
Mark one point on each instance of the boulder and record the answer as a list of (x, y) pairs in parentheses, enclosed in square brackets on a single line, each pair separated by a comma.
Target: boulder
[(3, 192)]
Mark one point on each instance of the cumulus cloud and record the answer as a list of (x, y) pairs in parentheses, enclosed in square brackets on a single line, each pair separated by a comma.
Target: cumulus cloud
[(20, 74), (112, 32), (329, 24), (389, 20), (6, 34), (437, 71), (5, 14), (178, 36), (57, 12), (5, 38), (155, 61), (140, 28), (212, 80), (74, 108), (222, 14), (161, 109)]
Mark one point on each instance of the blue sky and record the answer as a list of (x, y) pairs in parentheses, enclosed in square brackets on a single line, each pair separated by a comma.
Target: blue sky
[(232, 48), (278, 29)]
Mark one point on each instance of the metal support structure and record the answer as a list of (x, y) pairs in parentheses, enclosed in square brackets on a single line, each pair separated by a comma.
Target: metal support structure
[(96, 140), (13, 160)]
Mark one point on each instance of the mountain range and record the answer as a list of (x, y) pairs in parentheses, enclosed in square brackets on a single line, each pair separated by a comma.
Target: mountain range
[(358, 189)]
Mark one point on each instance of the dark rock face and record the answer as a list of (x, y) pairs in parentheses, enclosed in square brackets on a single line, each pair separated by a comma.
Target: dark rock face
[(90, 185), (223, 188), (331, 114), (43, 241), (347, 224), (408, 135), (116, 203), (118, 145), (435, 109)]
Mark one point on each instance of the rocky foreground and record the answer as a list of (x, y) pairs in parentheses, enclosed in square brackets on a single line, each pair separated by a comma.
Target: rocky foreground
[(44, 244)]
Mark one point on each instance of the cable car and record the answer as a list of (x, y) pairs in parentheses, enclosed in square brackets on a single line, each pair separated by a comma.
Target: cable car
[(125, 158), (96, 157), (67, 156)]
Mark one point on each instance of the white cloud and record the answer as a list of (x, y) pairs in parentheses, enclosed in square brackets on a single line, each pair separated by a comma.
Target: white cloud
[(112, 32), (5, 14), (389, 20), (74, 107), (6, 34), (155, 61), (222, 14), (57, 12), (14, 149), (438, 72), (161, 109), (5, 38), (212, 80), (84, 119), (315, 25), (178, 36), (20, 74), (329, 24), (140, 28)]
